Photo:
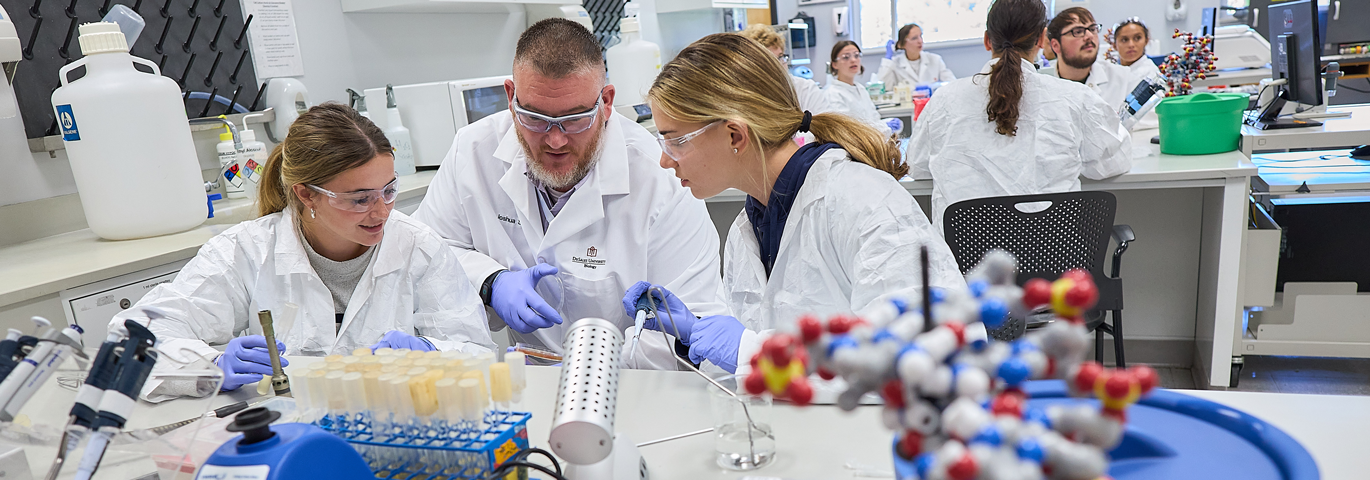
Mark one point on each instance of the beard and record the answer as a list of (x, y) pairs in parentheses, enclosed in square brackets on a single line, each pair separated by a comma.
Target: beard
[(586, 157), (1080, 59)]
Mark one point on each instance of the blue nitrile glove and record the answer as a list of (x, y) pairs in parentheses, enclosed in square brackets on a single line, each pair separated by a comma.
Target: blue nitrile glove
[(678, 312), (889, 50), (515, 298), (716, 338), (246, 360), (398, 339), (896, 125)]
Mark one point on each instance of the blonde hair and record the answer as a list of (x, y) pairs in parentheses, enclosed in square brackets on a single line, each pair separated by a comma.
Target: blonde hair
[(765, 35), (323, 142), (726, 76)]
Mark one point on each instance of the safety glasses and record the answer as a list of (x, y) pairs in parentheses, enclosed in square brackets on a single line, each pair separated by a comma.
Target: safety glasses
[(677, 147), (568, 124), (1079, 32), (363, 200)]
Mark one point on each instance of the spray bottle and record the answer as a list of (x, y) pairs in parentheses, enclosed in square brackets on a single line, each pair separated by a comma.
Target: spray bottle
[(398, 135)]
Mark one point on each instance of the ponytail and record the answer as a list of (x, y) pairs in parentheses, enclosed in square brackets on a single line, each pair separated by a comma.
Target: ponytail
[(863, 143), (271, 194), (1013, 28), (1005, 91), (323, 142)]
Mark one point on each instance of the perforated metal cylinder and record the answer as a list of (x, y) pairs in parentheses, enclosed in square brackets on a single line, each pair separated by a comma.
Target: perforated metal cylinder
[(583, 427)]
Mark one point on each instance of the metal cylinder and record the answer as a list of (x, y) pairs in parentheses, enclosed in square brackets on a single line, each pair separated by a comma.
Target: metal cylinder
[(587, 396)]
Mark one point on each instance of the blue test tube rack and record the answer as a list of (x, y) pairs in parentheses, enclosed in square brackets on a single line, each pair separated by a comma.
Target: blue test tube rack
[(432, 450)]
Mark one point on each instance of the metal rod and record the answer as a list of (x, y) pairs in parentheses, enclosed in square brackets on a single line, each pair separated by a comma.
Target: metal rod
[(239, 42), (193, 5), (105, 8), (137, 5), (209, 77), (927, 290), (162, 64), (233, 101), (219, 10), (186, 74), (674, 437), (258, 99), (165, 11), (279, 382), (162, 41), (33, 37), (208, 103), (234, 77), (65, 51), (214, 44), (33, 10), (186, 46), (71, 10)]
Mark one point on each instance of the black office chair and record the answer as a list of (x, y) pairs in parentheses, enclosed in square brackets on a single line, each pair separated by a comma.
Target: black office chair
[(1072, 232)]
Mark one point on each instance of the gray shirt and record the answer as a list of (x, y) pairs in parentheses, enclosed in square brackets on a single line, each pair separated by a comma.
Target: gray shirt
[(341, 278)]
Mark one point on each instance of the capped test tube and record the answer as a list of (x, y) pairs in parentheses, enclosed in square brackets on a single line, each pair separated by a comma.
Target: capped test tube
[(384, 351), (449, 399), (361, 352), (371, 381), (422, 362), (414, 354), (318, 395), (333, 388), (469, 390), (371, 363), (425, 396), (352, 364), (433, 354), (401, 401), (482, 398), (354, 389), (404, 363), (518, 379), (501, 391), (483, 361), (333, 358)]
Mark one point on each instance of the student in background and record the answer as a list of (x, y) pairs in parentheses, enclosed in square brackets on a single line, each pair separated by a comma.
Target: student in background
[(848, 95), (1130, 38), (1074, 36), (811, 96), (913, 66)]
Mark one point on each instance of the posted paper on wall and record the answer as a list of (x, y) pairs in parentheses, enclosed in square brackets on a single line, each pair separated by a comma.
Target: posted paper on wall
[(275, 43)]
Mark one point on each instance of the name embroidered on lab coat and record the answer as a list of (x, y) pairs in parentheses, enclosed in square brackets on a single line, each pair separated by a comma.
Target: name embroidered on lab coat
[(509, 220)]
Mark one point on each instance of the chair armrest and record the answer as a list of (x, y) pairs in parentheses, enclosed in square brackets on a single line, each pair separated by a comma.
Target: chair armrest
[(1124, 236)]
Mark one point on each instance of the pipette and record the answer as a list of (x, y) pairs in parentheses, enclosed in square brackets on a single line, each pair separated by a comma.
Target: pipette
[(12, 351), (37, 367), (84, 412), (279, 382), (135, 363), (644, 312)]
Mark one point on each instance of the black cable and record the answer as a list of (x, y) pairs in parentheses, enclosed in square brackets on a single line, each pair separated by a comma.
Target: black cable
[(530, 451), (1367, 80), (504, 469)]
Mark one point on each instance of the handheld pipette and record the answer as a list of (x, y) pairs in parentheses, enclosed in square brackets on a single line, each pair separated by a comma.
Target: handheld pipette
[(13, 349), (279, 382), (135, 363), (644, 312), (37, 367), (84, 412)]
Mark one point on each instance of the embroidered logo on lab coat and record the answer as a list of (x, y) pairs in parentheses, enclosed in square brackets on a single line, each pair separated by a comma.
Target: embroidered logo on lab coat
[(589, 261)]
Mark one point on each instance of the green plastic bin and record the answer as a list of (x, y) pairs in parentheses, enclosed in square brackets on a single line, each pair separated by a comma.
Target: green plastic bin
[(1202, 123)]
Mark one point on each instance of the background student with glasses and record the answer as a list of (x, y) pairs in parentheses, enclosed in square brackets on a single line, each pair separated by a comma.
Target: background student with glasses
[(1074, 36), (847, 93), (328, 242), (558, 205)]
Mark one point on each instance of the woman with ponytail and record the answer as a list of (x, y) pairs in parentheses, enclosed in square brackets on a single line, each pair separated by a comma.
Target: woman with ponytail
[(827, 228), (1010, 131), (326, 246)]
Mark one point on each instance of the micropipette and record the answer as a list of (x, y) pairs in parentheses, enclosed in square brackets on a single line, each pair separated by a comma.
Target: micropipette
[(135, 363), (37, 367), (84, 412)]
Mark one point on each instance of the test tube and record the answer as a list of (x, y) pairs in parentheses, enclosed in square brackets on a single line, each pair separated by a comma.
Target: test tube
[(333, 388), (482, 363), (354, 389), (371, 363), (449, 399), (433, 354), (453, 368), (483, 398), (352, 364), (404, 362), (371, 382), (362, 352), (318, 396), (469, 391), (425, 396), (333, 358), (414, 354), (501, 391), (518, 379), (384, 351), (422, 362), (400, 400)]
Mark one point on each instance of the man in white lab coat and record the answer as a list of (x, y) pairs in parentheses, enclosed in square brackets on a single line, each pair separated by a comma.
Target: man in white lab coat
[(558, 206), (1074, 37)]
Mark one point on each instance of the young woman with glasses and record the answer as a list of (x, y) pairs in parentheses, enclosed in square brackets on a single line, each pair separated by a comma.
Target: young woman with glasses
[(848, 95)]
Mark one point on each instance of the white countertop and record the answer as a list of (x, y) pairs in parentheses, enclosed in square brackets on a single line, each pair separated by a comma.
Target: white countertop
[(1334, 132), (1150, 169), (819, 441), (49, 265)]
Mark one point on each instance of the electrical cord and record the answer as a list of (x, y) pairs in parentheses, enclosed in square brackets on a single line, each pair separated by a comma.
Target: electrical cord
[(520, 459), (1341, 86)]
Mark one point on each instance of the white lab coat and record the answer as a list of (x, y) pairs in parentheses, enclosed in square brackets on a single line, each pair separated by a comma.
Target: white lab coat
[(1112, 82), (1144, 68), (414, 284), (851, 239), (811, 96), (1064, 131), (855, 102), (629, 220), (929, 68)]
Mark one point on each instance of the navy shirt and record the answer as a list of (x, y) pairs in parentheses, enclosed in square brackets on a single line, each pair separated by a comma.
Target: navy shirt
[(768, 221)]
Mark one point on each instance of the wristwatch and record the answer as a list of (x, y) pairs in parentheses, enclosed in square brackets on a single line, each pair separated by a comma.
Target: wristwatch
[(488, 286)]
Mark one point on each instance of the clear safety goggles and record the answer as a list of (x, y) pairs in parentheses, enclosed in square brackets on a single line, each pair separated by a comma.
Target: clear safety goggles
[(568, 124), (363, 200), (679, 146)]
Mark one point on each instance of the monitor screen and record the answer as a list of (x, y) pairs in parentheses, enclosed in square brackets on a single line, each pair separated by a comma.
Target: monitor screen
[(481, 102), (1296, 50)]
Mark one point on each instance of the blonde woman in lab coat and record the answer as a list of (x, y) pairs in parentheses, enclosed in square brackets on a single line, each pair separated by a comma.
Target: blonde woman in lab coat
[(848, 95), (913, 66), (328, 242), (1009, 131), (827, 228)]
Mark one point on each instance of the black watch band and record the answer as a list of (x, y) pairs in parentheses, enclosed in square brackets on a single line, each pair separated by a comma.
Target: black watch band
[(488, 286)]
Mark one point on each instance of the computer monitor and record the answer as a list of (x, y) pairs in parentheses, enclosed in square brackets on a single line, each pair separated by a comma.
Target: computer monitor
[(1296, 57)]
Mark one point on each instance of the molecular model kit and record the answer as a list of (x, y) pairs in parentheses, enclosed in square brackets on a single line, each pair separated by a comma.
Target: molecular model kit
[(956, 400), (1193, 62)]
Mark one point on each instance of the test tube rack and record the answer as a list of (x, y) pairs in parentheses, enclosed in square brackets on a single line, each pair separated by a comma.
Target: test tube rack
[(433, 451)]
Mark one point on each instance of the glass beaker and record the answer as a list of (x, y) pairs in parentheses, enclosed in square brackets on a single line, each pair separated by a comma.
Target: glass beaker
[(738, 445)]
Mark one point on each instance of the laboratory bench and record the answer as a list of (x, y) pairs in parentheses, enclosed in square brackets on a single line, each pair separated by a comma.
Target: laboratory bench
[(818, 441), (1334, 132)]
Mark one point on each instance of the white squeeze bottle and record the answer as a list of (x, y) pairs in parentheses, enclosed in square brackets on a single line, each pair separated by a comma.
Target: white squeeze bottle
[(253, 159), (398, 135), (128, 139), (633, 63)]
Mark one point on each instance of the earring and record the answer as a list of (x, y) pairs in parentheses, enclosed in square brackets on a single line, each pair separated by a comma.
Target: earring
[(734, 151), (311, 213)]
